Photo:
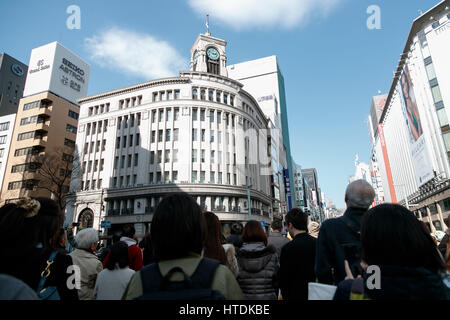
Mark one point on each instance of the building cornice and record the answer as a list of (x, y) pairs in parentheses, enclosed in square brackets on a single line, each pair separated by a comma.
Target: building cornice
[(139, 86)]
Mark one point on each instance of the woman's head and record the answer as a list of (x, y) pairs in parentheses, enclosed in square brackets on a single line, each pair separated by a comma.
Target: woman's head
[(213, 243), (254, 232), (118, 256), (36, 222), (178, 227), (392, 235)]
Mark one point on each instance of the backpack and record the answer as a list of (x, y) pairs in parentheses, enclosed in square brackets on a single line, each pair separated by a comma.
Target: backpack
[(352, 250), (357, 291), (196, 287)]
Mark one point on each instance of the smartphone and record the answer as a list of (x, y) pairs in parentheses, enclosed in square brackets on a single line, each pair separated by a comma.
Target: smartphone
[(75, 224)]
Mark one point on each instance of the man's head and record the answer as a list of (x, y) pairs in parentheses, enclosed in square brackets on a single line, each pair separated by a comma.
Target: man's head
[(128, 231), (236, 228), (296, 221), (277, 225), (87, 239), (359, 195)]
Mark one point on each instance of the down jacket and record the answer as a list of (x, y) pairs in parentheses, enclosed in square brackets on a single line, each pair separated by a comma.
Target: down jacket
[(258, 271)]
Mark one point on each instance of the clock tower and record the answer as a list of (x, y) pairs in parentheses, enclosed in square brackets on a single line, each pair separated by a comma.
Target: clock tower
[(208, 55)]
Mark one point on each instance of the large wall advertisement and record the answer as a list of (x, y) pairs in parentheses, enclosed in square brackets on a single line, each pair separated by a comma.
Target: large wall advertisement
[(419, 151), (54, 68)]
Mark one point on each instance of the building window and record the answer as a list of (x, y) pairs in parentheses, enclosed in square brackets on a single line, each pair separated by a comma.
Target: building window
[(160, 136), (203, 135), (124, 144), (161, 115), (3, 139), (122, 162), (212, 177), (175, 134), (129, 161), (211, 136), (194, 155), (176, 115), (194, 114), (175, 155), (177, 94), (70, 128), (138, 137), (169, 115), (194, 177), (130, 140), (212, 156), (117, 142), (153, 116), (25, 135), (152, 157), (166, 156), (168, 131), (194, 94), (194, 134), (73, 114), (136, 159), (159, 156), (4, 126), (203, 155), (202, 176), (202, 115), (153, 136)]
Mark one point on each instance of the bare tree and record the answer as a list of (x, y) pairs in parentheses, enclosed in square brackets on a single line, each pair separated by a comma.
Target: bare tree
[(54, 171)]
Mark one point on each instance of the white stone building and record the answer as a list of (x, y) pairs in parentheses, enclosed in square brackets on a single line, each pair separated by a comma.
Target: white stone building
[(199, 133), (6, 131)]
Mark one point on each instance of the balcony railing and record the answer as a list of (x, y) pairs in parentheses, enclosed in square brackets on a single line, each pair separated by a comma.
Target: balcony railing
[(236, 209)]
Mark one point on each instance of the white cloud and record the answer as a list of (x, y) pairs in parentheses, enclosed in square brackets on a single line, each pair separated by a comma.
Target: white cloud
[(133, 53), (241, 14)]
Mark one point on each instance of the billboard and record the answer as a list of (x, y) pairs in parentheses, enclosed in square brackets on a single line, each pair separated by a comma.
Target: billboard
[(54, 68), (419, 151), (376, 110)]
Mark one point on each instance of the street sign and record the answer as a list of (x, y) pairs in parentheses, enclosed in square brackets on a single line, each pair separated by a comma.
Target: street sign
[(106, 224)]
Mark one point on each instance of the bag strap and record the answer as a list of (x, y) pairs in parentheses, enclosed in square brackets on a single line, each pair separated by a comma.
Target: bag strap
[(46, 272), (152, 279), (204, 274)]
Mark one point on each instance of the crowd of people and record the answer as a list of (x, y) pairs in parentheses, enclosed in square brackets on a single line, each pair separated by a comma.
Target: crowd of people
[(186, 255)]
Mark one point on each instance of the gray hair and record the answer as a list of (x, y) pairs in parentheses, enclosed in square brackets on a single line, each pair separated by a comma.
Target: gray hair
[(86, 237), (359, 194)]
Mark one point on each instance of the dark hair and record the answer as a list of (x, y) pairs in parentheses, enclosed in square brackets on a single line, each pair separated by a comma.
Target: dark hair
[(298, 218), (128, 230), (392, 235), (178, 227), (118, 255), (277, 224), (254, 232), (42, 228), (236, 228), (213, 244), (34, 237)]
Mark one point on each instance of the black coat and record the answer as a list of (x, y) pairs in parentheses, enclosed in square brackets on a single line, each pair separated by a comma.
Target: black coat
[(400, 283), (297, 267), (334, 237), (258, 271)]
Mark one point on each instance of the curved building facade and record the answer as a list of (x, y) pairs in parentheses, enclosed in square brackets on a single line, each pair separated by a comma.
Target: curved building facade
[(199, 133)]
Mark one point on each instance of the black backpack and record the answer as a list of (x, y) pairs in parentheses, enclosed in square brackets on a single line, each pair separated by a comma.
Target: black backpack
[(352, 250), (196, 287)]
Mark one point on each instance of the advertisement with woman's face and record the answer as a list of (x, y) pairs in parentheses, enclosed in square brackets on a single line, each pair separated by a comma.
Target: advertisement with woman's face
[(413, 117)]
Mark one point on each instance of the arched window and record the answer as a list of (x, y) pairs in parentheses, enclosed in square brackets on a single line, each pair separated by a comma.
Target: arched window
[(194, 94), (86, 219)]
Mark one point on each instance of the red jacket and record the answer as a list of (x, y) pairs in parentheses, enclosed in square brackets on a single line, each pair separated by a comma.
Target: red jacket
[(135, 256)]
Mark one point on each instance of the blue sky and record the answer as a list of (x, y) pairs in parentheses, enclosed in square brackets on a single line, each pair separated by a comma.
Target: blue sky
[(332, 63)]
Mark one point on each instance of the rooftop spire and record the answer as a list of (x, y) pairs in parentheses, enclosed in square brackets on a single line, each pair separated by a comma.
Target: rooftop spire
[(207, 25)]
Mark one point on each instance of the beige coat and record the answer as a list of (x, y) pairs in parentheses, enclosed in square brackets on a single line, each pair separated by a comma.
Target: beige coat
[(90, 266)]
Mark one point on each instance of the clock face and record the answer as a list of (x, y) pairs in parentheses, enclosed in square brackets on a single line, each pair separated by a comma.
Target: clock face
[(212, 53), (195, 57)]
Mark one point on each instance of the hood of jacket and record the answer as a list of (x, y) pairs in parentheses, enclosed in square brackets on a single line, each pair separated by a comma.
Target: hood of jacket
[(128, 241), (255, 256), (399, 283)]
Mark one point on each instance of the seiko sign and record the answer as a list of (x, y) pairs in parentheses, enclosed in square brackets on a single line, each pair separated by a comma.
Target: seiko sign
[(58, 70)]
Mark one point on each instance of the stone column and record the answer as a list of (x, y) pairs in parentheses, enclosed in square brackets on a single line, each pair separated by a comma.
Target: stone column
[(433, 229), (441, 217)]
